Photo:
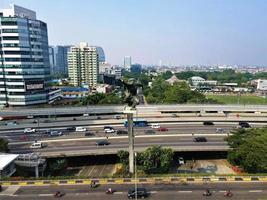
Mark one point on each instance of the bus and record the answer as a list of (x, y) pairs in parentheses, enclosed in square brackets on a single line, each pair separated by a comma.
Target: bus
[(137, 122)]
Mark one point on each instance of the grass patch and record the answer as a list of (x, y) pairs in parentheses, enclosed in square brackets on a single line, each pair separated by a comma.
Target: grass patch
[(236, 99)]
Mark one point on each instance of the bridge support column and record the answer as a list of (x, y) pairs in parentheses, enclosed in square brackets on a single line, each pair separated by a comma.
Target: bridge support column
[(130, 113), (37, 171)]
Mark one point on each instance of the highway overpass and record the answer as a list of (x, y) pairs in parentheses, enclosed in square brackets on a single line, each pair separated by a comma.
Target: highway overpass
[(87, 146), (142, 109)]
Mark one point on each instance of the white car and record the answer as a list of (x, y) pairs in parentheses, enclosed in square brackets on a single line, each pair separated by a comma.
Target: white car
[(111, 130), (181, 161), (219, 130), (36, 145), (55, 133), (29, 130), (80, 129), (155, 126)]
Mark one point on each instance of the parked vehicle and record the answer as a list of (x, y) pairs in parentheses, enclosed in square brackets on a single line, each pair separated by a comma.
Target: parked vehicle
[(102, 143), (29, 130), (139, 193), (181, 161), (80, 129), (200, 139), (37, 145)]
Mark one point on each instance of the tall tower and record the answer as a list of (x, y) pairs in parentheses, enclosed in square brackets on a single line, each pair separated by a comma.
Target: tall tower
[(127, 62), (24, 64), (83, 65)]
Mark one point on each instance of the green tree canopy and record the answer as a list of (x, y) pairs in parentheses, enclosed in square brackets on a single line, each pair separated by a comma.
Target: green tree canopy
[(249, 149), (3, 145), (156, 159)]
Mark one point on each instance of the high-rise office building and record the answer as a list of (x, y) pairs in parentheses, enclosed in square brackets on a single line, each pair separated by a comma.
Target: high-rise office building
[(58, 58), (24, 64), (127, 62), (101, 54), (83, 65)]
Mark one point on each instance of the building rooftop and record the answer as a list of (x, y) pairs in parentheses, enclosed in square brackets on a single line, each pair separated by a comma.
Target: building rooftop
[(5, 159)]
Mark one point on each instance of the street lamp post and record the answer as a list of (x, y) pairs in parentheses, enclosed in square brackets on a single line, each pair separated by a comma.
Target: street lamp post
[(135, 177)]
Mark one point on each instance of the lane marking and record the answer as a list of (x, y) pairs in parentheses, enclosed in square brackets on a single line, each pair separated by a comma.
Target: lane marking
[(255, 191), (45, 195), (185, 191), (153, 192), (118, 192)]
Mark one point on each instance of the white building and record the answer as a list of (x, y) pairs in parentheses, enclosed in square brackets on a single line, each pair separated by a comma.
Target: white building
[(196, 80), (24, 58), (83, 65), (261, 84), (7, 165)]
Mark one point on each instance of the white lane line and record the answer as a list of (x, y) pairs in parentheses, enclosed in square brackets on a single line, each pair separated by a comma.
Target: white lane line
[(45, 195), (153, 192), (118, 193), (185, 191), (222, 191), (255, 191)]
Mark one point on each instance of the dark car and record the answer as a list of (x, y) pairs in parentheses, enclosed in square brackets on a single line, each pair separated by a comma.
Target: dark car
[(244, 124), (140, 193), (163, 129), (150, 132), (72, 128), (122, 132), (208, 123), (200, 139), (89, 134), (102, 143)]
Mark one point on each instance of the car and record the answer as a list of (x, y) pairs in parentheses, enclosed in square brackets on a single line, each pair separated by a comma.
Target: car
[(122, 132), (208, 123), (200, 139), (155, 126), (108, 127), (219, 130), (163, 129), (138, 192), (181, 161), (244, 125), (174, 115), (80, 129), (47, 121), (72, 128), (29, 130), (102, 143), (55, 133), (118, 117), (109, 130), (11, 123), (86, 115), (150, 132), (89, 134), (37, 145)]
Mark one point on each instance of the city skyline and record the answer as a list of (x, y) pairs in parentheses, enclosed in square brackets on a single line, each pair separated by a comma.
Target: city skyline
[(177, 33)]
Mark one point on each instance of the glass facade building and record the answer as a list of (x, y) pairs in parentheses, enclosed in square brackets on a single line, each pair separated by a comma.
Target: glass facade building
[(24, 58)]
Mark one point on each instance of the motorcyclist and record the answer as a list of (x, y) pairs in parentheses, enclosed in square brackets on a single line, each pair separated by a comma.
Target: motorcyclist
[(228, 193), (109, 191)]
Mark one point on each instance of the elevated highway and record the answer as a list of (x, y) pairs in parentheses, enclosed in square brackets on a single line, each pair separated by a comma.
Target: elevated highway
[(87, 146), (142, 109)]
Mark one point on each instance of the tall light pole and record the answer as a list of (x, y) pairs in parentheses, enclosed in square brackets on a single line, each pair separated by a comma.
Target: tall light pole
[(135, 177)]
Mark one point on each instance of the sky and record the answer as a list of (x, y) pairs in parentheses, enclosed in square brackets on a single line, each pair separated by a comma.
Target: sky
[(174, 32)]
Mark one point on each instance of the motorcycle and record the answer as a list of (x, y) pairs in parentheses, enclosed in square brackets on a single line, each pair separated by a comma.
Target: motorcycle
[(228, 194), (207, 193), (59, 194), (110, 191)]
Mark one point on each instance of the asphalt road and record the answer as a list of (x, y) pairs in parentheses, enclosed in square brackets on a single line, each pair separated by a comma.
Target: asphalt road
[(119, 143), (241, 191), (174, 128)]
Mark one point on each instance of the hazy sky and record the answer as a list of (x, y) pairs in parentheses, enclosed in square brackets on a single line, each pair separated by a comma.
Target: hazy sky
[(174, 31)]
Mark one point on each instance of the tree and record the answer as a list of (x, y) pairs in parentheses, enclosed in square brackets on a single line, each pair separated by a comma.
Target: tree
[(248, 149), (123, 157), (3, 145), (58, 164), (156, 159)]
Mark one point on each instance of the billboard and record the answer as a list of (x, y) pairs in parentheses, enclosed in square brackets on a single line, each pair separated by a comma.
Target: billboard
[(34, 85)]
